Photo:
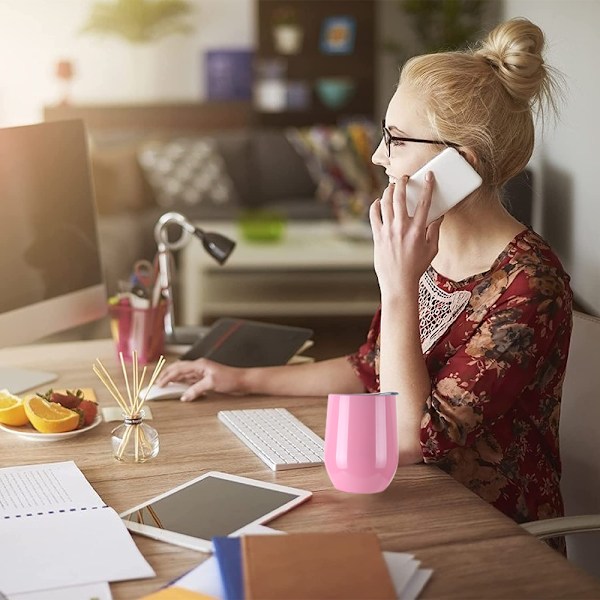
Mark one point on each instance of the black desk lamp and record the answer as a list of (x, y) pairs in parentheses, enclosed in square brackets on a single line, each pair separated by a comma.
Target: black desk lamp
[(217, 245)]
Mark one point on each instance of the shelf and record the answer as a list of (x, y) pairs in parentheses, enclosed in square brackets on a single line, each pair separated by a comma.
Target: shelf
[(311, 63)]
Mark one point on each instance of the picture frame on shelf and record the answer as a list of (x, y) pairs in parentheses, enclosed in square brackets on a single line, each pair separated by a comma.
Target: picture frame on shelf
[(338, 34)]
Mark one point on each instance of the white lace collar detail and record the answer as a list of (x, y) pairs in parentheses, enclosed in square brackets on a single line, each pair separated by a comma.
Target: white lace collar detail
[(437, 310)]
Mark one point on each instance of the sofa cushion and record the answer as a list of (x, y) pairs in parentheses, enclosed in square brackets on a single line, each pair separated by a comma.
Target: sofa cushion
[(188, 174), (119, 182), (235, 148), (282, 173), (121, 244), (339, 159)]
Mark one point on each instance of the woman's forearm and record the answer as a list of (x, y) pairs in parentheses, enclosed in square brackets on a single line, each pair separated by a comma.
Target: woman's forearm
[(309, 379), (402, 369)]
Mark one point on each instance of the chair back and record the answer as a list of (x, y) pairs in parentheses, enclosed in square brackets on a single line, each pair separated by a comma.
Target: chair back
[(580, 438)]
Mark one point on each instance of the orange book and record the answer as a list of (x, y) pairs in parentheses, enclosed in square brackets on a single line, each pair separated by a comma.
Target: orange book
[(311, 566)]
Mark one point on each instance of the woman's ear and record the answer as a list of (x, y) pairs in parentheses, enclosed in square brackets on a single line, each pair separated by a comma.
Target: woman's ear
[(469, 156)]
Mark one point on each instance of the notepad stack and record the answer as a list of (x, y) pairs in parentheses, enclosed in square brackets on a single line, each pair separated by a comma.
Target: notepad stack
[(303, 566)]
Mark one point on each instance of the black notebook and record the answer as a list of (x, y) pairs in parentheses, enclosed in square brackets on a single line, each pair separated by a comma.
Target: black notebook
[(243, 343)]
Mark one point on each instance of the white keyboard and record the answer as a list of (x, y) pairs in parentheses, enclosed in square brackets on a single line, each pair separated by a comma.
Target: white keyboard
[(276, 436)]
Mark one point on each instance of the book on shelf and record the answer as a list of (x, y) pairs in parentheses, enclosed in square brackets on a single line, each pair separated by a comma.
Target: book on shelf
[(245, 343), (51, 517)]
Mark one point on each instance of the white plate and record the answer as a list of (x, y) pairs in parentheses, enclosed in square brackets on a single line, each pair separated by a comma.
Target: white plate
[(29, 433)]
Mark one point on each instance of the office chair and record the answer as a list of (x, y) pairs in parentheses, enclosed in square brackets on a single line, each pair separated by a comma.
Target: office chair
[(580, 450)]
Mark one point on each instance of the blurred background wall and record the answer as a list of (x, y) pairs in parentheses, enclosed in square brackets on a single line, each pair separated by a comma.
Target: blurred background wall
[(36, 34)]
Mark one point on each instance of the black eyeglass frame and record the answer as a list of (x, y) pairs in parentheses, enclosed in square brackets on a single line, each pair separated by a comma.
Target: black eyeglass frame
[(388, 138)]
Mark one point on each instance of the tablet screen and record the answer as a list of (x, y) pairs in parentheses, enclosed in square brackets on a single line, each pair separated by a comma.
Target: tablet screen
[(215, 504)]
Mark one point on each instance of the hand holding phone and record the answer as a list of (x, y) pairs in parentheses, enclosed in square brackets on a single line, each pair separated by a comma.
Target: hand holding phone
[(454, 177)]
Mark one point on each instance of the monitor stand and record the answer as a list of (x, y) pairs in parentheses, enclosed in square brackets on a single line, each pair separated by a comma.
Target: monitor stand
[(17, 380)]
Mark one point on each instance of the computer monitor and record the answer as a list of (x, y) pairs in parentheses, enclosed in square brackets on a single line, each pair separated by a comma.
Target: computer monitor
[(51, 278)]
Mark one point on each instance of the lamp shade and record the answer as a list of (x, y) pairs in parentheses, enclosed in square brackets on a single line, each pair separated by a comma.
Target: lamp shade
[(217, 245)]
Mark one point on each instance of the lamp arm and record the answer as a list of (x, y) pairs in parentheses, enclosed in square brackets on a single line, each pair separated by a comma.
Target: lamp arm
[(217, 245), (165, 275), (160, 230), (165, 246)]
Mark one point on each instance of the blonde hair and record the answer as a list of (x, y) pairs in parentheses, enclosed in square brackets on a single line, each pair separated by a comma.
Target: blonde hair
[(485, 98)]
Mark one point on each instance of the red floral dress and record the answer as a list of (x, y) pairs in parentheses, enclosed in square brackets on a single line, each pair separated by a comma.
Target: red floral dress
[(491, 420)]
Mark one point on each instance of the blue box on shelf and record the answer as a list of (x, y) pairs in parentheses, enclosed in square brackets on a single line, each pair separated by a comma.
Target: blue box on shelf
[(229, 74)]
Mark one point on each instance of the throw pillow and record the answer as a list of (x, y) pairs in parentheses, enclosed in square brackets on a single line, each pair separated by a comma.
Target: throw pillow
[(119, 182), (339, 160), (187, 174)]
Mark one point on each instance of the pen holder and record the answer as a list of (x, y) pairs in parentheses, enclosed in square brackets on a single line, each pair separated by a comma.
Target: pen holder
[(139, 330), (133, 440)]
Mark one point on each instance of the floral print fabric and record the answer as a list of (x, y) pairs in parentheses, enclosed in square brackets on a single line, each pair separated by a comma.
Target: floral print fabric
[(491, 420)]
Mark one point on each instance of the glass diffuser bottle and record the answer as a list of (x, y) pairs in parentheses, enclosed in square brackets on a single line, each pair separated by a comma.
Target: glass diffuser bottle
[(134, 440)]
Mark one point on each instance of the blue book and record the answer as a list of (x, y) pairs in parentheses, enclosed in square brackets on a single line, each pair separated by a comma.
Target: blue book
[(228, 552)]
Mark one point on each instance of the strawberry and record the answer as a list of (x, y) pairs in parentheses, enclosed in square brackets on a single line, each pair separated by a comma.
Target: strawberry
[(68, 400), (88, 411)]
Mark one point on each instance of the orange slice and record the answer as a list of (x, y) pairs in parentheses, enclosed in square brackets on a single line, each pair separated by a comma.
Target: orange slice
[(50, 417), (12, 410)]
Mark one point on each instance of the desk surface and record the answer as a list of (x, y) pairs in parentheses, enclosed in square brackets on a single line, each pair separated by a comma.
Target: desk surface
[(474, 550)]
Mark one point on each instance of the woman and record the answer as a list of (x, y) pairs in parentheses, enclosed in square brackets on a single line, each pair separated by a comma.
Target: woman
[(475, 318)]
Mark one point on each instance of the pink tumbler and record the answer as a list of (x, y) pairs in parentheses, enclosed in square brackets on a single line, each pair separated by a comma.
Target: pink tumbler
[(361, 441)]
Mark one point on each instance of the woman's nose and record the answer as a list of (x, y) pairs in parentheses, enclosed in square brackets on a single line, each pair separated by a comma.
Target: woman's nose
[(380, 156)]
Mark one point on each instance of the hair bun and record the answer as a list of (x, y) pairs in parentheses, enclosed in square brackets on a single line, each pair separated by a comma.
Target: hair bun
[(514, 51)]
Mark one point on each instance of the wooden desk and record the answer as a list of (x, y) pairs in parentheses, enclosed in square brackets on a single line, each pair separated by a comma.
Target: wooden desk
[(474, 550)]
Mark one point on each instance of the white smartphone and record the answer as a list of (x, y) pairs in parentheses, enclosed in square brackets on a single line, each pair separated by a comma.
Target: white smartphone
[(455, 179)]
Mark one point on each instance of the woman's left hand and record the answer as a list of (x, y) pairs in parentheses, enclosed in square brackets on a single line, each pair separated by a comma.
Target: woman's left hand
[(404, 246)]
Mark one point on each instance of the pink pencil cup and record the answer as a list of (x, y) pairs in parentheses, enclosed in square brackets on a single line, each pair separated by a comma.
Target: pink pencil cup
[(361, 441), (139, 330)]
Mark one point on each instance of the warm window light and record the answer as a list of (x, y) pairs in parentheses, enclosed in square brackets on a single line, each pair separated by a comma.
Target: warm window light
[(217, 245)]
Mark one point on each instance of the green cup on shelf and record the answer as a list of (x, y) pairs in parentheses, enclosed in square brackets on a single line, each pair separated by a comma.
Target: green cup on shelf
[(262, 225)]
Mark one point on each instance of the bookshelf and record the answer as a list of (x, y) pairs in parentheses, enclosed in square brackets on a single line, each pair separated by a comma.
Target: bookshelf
[(321, 24)]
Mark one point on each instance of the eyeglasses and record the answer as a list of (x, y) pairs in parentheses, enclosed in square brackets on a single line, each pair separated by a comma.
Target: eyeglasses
[(388, 138)]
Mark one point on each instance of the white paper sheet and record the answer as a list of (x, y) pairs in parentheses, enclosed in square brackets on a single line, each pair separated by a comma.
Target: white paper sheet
[(50, 516), (42, 488), (416, 584), (401, 567), (90, 591)]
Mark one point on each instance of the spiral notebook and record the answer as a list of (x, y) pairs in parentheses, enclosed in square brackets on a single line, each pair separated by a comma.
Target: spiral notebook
[(50, 517)]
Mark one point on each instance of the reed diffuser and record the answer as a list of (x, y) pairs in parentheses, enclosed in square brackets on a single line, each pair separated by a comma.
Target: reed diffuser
[(133, 440)]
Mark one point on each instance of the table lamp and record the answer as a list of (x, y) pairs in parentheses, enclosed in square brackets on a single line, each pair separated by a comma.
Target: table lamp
[(215, 244)]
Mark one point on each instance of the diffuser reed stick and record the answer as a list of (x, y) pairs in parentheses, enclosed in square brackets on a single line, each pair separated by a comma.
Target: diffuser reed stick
[(137, 441)]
